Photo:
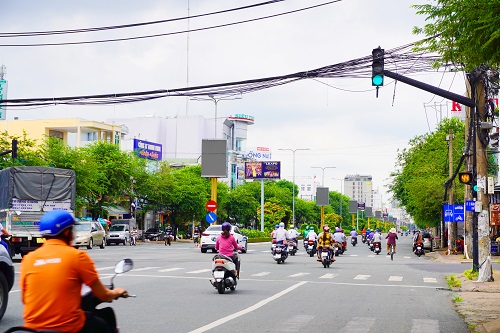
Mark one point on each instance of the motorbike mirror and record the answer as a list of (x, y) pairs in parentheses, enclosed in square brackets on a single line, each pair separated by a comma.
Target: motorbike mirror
[(124, 265)]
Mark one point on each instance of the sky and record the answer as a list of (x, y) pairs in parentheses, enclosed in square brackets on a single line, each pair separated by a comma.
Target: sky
[(340, 121)]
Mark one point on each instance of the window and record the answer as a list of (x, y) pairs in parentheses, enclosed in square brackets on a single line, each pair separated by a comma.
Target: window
[(56, 134)]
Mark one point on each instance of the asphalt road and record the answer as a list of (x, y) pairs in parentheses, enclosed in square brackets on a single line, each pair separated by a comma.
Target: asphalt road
[(360, 293)]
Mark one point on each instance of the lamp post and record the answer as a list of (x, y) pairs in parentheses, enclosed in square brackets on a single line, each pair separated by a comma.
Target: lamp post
[(215, 100), (323, 176), (293, 180)]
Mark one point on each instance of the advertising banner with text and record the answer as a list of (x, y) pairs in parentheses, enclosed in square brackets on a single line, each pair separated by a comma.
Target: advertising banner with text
[(262, 170)]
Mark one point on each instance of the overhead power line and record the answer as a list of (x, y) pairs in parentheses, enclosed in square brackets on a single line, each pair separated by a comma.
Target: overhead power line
[(169, 33), (398, 59)]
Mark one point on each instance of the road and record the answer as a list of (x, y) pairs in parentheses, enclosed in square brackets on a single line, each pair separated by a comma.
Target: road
[(360, 293)]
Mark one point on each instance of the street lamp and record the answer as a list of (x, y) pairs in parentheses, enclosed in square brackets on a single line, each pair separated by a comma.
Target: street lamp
[(215, 100), (341, 193), (323, 168), (293, 180)]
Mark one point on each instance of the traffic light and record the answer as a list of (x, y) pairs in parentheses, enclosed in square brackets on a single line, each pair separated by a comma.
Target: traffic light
[(378, 67), (14, 149), (465, 177)]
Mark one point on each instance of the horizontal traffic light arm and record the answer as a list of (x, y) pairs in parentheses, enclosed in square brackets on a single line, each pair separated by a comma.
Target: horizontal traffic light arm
[(434, 90), (6, 152)]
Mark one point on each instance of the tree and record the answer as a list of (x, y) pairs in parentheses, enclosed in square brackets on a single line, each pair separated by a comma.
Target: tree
[(418, 181), (462, 31)]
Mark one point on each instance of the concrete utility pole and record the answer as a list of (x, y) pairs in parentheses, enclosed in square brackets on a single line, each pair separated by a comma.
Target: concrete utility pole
[(451, 234)]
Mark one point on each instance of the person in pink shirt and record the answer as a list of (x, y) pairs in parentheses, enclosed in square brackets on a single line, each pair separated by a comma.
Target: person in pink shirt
[(226, 245)]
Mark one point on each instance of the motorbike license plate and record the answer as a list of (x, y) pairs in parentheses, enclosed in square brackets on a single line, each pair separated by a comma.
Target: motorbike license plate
[(219, 274), (419, 248), (310, 247), (40, 240), (277, 255), (324, 254)]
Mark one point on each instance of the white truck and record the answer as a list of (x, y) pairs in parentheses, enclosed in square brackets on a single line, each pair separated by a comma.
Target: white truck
[(28, 192)]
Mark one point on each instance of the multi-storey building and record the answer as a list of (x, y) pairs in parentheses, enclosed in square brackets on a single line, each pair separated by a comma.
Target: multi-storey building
[(359, 188)]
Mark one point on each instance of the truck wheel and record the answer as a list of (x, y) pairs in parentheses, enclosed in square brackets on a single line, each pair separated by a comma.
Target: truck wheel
[(4, 294), (91, 244)]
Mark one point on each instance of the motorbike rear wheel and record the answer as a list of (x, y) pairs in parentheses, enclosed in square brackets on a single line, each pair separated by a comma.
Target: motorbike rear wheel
[(220, 287)]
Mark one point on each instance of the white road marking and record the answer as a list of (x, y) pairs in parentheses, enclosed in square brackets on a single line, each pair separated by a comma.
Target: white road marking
[(407, 257), (353, 255), (169, 269), (105, 268), (361, 277), (261, 274), (424, 325), (247, 310), (143, 269), (359, 325), (298, 274), (199, 271), (328, 276), (430, 280), (395, 278)]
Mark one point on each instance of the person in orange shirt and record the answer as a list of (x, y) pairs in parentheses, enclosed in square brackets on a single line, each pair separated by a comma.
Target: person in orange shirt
[(51, 281)]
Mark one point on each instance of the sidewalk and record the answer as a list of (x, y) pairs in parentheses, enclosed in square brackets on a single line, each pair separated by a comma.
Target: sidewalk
[(477, 302)]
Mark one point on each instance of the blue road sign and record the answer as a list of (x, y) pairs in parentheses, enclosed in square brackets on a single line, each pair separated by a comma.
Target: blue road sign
[(454, 213), (470, 205), (211, 217)]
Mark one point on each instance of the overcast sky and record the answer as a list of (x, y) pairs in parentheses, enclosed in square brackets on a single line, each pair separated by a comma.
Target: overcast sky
[(340, 120)]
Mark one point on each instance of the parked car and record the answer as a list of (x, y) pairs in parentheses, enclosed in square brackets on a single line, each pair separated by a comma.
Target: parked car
[(118, 234), (153, 234), (428, 241), (89, 234), (6, 279), (209, 236)]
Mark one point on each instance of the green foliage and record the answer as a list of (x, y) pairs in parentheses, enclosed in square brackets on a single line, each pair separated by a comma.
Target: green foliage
[(255, 233), (452, 281), (470, 274), (418, 181), (463, 32), (457, 299)]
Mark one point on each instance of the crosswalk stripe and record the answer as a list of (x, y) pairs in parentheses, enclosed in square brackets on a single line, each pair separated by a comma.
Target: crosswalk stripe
[(359, 325), (298, 274), (169, 269), (425, 325), (361, 277), (105, 268), (395, 278), (328, 276), (430, 280), (261, 274), (199, 271), (143, 269)]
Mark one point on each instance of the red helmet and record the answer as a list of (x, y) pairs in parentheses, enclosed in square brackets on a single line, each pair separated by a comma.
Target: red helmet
[(326, 228)]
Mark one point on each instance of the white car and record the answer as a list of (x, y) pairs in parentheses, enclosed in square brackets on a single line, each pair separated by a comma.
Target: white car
[(209, 236)]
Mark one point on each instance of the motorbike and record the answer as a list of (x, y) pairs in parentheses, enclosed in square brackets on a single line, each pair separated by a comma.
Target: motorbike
[(419, 249), (354, 241), (370, 245), (89, 301), (273, 245), (133, 239), (223, 273), (280, 253), (167, 237), (292, 246), (363, 238), (311, 248), (336, 249), (326, 257), (377, 247), (344, 246)]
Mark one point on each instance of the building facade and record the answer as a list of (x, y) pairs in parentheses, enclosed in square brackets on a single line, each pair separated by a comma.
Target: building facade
[(359, 188)]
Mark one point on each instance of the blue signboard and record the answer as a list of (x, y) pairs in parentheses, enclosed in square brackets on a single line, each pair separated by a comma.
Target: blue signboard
[(146, 149), (454, 213), (470, 205), (211, 217)]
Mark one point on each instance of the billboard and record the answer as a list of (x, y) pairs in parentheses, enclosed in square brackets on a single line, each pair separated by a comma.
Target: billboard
[(214, 158), (146, 149), (262, 170)]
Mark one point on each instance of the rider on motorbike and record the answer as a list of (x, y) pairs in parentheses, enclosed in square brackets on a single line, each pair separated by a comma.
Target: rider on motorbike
[(226, 245), (338, 236), (51, 281), (354, 233), (325, 239), (377, 238), (292, 235), (417, 239)]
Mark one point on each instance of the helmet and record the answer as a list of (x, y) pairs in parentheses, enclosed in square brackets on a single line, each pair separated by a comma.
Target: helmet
[(55, 221), (337, 229), (282, 225), (326, 228), (307, 227), (341, 230), (378, 230), (353, 229), (276, 226), (226, 226)]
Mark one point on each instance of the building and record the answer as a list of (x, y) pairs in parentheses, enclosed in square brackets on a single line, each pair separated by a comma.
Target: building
[(359, 188), (307, 188)]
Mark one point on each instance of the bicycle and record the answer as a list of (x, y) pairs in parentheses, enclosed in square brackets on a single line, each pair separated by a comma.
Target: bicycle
[(392, 251)]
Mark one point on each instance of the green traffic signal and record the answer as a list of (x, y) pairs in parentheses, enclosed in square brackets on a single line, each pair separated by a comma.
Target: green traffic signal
[(378, 80)]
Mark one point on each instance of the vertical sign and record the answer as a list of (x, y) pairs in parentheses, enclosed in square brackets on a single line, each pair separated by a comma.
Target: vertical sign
[(3, 95)]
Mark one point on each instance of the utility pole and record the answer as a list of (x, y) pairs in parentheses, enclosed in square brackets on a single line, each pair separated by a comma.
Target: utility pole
[(451, 238)]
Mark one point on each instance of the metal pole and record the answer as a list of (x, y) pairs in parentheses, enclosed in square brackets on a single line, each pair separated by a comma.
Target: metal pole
[(262, 205), (293, 191)]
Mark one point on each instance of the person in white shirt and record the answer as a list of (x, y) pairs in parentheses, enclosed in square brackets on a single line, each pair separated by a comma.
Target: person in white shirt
[(292, 235), (312, 235), (280, 234)]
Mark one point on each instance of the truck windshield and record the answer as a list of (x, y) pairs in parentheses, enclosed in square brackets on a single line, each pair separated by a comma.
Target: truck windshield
[(117, 228)]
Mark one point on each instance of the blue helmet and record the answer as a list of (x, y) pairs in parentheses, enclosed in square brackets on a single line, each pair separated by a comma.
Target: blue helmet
[(276, 226), (55, 221), (378, 230), (226, 226)]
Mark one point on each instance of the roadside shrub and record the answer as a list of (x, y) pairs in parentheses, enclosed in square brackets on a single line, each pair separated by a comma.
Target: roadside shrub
[(470, 275)]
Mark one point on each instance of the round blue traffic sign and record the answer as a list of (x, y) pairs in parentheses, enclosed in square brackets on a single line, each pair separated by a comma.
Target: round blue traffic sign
[(211, 217)]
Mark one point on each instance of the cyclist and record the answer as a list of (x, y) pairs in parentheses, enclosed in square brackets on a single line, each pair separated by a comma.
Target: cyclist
[(391, 240)]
